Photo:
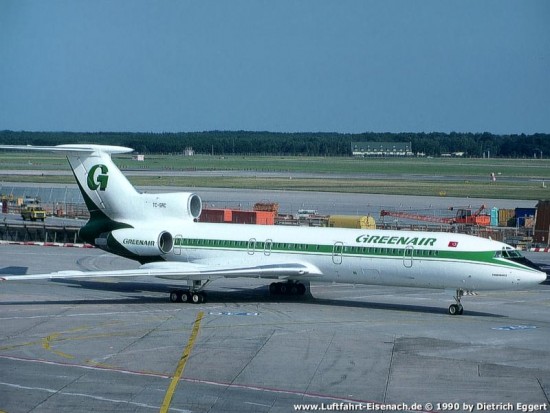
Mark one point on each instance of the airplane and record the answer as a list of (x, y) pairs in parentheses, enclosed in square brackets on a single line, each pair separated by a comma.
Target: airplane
[(161, 232)]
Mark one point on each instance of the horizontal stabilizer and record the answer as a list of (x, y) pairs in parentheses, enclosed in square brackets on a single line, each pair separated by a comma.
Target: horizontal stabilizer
[(71, 148)]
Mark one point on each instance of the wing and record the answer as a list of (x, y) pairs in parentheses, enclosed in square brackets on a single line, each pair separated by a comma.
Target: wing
[(206, 270)]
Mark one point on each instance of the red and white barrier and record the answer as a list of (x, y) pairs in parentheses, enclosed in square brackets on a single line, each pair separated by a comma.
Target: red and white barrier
[(47, 244)]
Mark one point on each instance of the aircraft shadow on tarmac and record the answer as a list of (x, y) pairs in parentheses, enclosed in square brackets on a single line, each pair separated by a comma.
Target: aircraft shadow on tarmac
[(245, 295), (13, 270)]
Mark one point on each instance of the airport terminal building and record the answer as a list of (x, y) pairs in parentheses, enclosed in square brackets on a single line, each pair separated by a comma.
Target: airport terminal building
[(367, 149)]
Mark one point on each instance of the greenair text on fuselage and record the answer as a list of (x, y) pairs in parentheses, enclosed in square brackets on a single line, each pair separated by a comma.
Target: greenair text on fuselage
[(395, 240), (130, 241)]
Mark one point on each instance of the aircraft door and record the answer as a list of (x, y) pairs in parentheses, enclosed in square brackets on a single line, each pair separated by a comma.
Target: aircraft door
[(251, 246), (337, 250), (267, 246), (408, 255)]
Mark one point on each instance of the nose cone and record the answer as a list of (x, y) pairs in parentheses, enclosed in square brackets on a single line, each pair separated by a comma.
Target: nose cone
[(540, 277), (532, 278)]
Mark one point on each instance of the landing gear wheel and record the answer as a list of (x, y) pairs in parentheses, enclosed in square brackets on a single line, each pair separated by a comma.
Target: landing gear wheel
[(197, 298), (176, 296), (457, 309), (287, 288), (273, 290)]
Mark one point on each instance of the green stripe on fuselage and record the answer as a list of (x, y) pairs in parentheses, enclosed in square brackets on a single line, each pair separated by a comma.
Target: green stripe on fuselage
[(480, 257)]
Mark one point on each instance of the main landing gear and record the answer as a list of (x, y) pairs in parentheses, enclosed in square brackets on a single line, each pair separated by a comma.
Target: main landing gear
[(193, 295), (457, 309), (196, 296), (287, 288), (183, 296)]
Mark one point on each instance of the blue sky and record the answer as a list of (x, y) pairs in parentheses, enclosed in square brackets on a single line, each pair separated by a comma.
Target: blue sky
[(282, 65)]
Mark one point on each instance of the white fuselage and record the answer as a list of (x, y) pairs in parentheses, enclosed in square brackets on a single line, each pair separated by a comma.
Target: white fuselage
[(378, 257)]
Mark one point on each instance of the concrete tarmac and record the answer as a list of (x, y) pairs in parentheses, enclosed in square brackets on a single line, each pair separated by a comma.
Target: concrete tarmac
[(108, 345)]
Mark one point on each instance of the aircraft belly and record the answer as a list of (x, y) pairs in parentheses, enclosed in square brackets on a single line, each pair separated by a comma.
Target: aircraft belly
[(395, 271)]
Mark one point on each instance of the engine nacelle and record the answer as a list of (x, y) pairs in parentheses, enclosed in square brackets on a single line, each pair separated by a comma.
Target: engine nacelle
[(129, 241), (173, 205)]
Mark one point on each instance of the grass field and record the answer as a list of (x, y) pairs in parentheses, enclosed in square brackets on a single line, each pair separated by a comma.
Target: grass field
[(532, 168), (410, 176)]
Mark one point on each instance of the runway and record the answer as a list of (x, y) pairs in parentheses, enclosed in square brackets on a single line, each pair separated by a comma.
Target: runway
[(290, 202), (106, 345)]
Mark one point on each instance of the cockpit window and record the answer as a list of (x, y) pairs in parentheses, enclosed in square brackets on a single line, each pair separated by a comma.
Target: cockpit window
[(517, 257), (508, 253)]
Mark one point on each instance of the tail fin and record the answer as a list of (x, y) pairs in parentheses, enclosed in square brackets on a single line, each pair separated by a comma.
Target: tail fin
[(105, 189), (111, 199)]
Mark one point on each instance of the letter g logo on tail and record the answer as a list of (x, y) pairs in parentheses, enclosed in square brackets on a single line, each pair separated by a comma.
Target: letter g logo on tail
[(99, 181)]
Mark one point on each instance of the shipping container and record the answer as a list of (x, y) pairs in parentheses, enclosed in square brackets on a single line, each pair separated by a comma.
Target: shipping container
[(352, 221), (215, 215), (265, 217), (244, 217), (522, 214), (506, 217), (236, 216), (494, 217), (542, 223)]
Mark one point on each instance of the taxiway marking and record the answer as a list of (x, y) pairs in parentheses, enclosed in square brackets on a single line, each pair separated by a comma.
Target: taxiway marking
[(90, 396), (181, 364)]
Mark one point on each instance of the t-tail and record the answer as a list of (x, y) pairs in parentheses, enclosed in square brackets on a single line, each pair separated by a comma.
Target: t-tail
[(118, 212)]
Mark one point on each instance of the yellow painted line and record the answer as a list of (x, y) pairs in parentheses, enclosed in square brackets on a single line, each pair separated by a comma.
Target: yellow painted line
[(181, 364), (14, 346), (46, 345)]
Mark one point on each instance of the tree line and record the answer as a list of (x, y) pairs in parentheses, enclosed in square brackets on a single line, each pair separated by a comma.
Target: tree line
[(304, 144)]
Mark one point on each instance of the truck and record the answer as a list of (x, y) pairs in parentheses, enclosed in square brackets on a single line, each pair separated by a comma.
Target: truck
[(33, 212)]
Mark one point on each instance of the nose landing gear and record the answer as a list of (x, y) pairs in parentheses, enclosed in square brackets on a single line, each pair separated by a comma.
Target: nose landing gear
[(457, 309)]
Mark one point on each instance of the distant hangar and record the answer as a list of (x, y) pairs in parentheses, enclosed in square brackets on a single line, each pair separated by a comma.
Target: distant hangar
[(367, 149)]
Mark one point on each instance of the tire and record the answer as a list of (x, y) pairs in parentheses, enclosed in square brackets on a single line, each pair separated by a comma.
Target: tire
[(175, 296), (272, 289)]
